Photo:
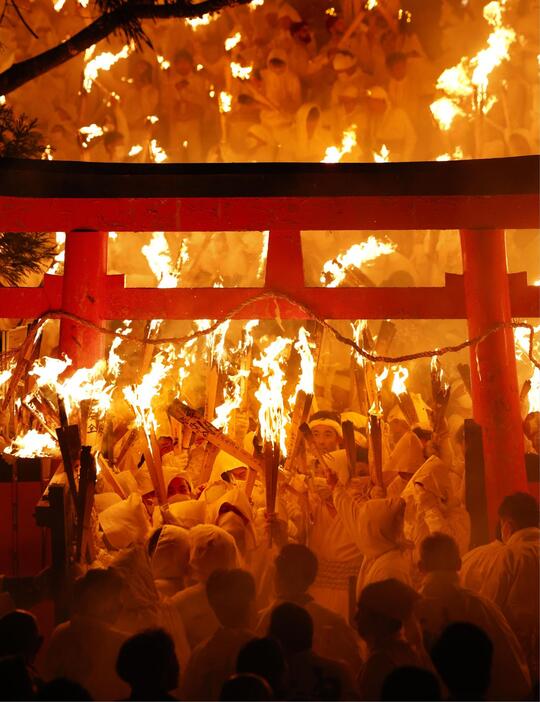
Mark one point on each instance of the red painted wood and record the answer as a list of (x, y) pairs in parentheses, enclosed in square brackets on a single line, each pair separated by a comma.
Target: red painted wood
[(214, 303), (495, 392), (85, 270), (245, 214), (284, 262)]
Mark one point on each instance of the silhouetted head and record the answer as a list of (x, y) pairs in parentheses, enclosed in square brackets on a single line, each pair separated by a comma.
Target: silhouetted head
[(296, 570), (383, 608), (246, 686), (462, 656), (62, 689), (292, 626), (518, 511), (147, 661), (264, 657), (231, 594), (19, 635), (411, 683), (439, 552)]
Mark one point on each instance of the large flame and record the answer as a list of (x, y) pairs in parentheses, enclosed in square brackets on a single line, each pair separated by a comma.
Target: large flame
[(84, 384), (469, 79), (33, 444), (334, 154), (334, 271)]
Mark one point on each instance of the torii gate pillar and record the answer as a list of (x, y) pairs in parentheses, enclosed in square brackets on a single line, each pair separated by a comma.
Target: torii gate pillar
[(495, 392), (85, 270)]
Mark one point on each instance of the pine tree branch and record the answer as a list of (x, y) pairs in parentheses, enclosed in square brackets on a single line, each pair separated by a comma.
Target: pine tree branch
[(24, 71)]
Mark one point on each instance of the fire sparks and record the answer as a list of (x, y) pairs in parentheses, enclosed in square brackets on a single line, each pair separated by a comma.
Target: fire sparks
[(334, 154), (90, 132), (163, 63), (196, 22), (233, 41), (272, 415), (334, 271), (225, 102), (157, 153), (102, 62), (33, 444), (135, 150), (371, 4), (241, 72), (58, 5)]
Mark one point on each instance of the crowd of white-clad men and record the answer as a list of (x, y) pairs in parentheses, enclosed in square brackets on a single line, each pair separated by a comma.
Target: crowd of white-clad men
[(310, 72), (192, 600)]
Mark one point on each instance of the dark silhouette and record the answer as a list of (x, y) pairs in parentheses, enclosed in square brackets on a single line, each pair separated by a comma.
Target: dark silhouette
[(383, 609), (15, 681), (264, 657), (246, 686), (19, 636), (411, 683), (63, 690), (231, 594), (147, 663), (462, 656), (310, 677)]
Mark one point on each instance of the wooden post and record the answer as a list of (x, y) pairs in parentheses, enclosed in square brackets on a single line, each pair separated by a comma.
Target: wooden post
[(83, 294), (495, 391)]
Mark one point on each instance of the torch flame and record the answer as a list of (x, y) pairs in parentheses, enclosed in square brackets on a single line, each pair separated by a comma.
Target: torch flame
[(272, 416), (102, 62), (335, 270)]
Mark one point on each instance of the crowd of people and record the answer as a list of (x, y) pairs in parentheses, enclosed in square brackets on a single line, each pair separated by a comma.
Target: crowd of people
[(280, 81), (350, 590)]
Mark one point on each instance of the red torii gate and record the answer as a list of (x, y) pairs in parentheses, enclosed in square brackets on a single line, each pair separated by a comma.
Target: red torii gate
[(480, 198)]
